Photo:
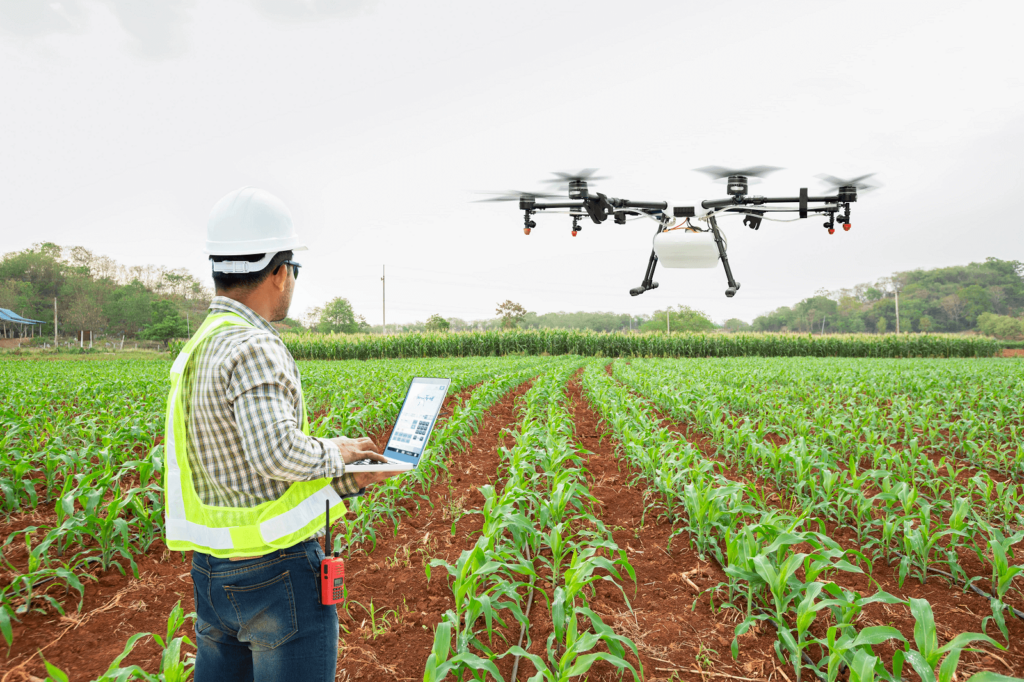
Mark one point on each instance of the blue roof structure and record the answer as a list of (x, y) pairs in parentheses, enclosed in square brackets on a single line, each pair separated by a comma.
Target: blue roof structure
[(11, 316)]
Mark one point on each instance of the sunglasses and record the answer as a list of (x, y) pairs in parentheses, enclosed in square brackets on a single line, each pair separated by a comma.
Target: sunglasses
[(295, 267)]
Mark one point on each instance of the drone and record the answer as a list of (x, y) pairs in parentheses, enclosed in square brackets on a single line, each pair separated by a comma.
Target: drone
[(687, 244)]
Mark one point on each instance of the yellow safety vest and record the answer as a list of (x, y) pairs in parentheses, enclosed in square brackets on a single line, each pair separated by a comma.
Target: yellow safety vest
[(232, 531)]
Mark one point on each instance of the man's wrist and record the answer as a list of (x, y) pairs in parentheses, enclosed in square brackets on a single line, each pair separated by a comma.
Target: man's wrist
[(332, 453)]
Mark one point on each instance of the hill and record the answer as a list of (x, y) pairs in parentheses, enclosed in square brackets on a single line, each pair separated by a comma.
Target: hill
[(953, 299)]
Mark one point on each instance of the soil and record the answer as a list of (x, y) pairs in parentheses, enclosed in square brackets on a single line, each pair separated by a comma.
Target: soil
[(1013, 352)]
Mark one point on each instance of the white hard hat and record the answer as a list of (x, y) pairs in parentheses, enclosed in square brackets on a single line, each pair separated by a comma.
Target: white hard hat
[(250, 221)]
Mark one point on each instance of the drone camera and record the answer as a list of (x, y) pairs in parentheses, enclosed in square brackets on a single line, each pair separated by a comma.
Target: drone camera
[(737, 185), (684, 211)]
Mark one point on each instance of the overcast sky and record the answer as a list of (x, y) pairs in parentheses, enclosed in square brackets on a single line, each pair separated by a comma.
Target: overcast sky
[(121, 126)]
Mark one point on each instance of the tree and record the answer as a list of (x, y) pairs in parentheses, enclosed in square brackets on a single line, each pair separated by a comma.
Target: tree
[(953, 306), (129, 308), (736, 325), (85, 314), (1001, 326), (997, 294), (167, 323), (683, 319), (810, 312), (436, 323), (510, 314), (881, 325), (336, 317)]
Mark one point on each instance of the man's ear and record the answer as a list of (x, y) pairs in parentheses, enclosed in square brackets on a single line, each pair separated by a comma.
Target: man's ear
[(279, 277)]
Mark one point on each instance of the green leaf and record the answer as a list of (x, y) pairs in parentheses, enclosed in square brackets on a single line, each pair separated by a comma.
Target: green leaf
[(921, 666), (54, 673), (5, 624), (925, 636), (871, 636), (965, 638), (948, 666)]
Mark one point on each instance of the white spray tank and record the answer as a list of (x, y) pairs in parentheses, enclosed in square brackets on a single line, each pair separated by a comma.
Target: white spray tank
[(686, 248)]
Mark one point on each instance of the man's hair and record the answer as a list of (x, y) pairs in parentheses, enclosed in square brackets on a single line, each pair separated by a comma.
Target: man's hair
[(229, 281)]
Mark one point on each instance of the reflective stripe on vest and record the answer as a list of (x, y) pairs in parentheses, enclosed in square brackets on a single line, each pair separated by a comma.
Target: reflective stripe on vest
[(232, 531)]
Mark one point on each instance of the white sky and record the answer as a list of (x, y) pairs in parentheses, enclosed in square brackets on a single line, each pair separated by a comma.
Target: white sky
[(120, 127)]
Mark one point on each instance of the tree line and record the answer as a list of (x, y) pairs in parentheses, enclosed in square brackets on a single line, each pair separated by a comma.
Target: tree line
[(987, 297), (94, 293)]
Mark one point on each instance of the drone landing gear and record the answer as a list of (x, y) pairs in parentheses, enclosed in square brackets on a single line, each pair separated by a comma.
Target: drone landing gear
[(647, 284), (734, 286)]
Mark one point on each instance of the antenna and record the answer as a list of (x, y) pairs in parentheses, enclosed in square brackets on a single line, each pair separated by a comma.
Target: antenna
[(327, 515)]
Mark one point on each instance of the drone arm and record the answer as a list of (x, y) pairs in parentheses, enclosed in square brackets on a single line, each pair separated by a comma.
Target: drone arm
[(757, 201), (652, 205), (560, 204)]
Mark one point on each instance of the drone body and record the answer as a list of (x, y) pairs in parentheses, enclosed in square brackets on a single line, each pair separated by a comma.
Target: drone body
[(685, 245)]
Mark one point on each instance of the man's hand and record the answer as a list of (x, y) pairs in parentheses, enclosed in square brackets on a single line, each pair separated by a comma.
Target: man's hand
[(354, 449)]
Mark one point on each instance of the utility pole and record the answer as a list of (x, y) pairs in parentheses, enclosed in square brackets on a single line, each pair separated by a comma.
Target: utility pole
[(897, 307), (188, 325), (383, 301), (54, 322), (823, 325)]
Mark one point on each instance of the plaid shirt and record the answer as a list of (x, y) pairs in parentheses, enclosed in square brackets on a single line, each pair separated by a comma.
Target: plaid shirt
[(245, 440)]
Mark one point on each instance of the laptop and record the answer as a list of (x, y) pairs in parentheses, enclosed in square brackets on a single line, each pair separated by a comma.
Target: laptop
[(412, 430)]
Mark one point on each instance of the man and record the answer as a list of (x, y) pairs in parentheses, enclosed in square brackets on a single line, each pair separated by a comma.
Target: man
[(246, 484)]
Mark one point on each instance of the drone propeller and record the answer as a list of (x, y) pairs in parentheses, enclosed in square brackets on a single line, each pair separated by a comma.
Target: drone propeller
[(835, 183), (720, 172), (587, 175), (515, 195)]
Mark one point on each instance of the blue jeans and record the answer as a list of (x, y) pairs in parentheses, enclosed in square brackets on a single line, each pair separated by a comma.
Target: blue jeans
[(261, 620)]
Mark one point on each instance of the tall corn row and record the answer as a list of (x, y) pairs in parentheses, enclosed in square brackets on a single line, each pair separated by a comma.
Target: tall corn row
[(623, 344)]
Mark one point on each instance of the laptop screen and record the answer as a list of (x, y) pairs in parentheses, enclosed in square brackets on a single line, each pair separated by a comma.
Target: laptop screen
[(416, 420)]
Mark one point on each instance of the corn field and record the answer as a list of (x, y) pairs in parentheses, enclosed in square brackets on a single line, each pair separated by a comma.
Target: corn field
[(623, 345), (825, 491)]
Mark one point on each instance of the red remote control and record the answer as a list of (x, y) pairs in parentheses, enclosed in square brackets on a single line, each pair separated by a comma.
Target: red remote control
[(332, 570)]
